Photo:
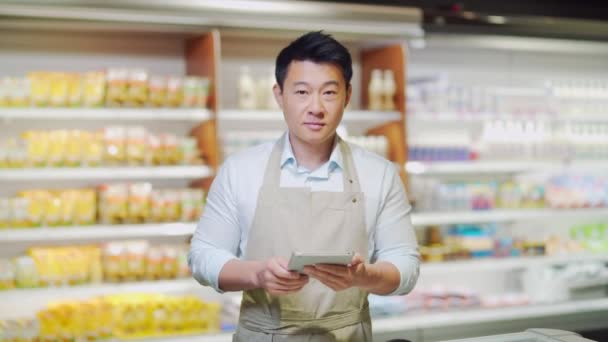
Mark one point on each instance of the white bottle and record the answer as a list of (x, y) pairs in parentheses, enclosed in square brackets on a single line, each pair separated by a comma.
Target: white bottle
[(246, 90), (375, 90), (389, 88)]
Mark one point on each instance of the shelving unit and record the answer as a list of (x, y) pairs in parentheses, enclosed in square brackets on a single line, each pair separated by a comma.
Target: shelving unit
[(472, 168), (504, 215), (507, 263), (121, 114), (99, 173), (96, 232), (450, 117)]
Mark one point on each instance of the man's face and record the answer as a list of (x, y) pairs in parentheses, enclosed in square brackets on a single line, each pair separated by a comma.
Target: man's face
[(313, 100)]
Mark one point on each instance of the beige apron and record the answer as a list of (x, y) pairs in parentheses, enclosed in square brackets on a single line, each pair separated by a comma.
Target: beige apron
[(288, 219)]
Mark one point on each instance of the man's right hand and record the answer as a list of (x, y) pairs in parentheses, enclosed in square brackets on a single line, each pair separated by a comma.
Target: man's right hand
[(275, 278)]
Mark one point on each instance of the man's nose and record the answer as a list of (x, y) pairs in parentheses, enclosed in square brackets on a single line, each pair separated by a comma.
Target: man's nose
[(315, 107)]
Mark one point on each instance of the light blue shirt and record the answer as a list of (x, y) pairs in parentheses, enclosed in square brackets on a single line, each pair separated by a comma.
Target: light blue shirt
[(223, 229)]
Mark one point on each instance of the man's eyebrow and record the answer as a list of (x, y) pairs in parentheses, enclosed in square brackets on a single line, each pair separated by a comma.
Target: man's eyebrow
[(332, 82)]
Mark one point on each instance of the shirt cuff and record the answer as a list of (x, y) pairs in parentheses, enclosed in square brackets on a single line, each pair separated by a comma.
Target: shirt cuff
[(208, 274)]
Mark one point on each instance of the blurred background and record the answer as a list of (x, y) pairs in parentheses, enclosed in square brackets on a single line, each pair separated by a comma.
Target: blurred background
[(115, 115)]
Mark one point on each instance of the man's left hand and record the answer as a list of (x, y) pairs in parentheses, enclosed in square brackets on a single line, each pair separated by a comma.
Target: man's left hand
[(338, 277)]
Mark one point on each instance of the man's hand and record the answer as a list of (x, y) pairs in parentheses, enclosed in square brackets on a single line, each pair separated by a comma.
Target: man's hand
[(277, 279), (338, 277)]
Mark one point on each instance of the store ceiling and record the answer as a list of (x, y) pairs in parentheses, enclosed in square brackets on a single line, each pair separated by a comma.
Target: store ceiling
[(583, 19)]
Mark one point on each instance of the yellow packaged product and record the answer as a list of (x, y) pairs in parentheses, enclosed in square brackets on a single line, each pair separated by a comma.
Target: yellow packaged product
[(44, 264), (75, 90), (183, 269), (60, 88), (7, 274), (40, 88), (188, 152), (154, 152), (94, 89), (5, 213), (69, 200), (195, 92), (137, 87), (15, 153), (154, 263), (115, 145), (26, 274), (54, 210), (92, 148), (57, 147), (136, 145), (18, 92), (175, 91), (3, 155), (37, 207), (157, 91), (5, 85), (139, 202), (74, 148), (169, 263), (37, 143), (95, 268), (191, 204), (117, 88), (85, 209), (113, 203), (19, 212), (114, 262)]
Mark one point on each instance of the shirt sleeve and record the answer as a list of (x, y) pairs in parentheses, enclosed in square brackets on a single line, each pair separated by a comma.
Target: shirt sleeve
[(395, 239), (217, 236)]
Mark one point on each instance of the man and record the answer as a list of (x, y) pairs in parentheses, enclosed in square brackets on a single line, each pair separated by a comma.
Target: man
[(309, 192)]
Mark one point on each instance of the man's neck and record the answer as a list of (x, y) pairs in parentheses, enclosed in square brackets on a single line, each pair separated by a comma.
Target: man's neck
[(311, 156)]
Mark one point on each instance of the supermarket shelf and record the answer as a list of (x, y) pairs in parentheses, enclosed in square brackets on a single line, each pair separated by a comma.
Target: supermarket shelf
[(84, 173), (96, 232), (445, 217), (166, 114), (503, 264), (475, 118), (422, 321), (496, 167), (477, 316), (275, 115), (220, 337)]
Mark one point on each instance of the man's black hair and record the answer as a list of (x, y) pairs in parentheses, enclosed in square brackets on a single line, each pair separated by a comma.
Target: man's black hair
[(316, 47)]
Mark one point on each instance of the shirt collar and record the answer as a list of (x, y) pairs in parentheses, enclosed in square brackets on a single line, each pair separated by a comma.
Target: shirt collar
[(335, 159)]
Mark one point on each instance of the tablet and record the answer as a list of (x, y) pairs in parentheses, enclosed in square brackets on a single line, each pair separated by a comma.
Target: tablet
[(298, 260)]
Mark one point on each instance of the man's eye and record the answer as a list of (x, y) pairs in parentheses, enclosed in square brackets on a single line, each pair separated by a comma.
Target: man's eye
[(331, 92), (301, 92)]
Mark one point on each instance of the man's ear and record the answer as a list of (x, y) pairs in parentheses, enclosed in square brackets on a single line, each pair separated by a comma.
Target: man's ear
[(349, 93), (278, 95)]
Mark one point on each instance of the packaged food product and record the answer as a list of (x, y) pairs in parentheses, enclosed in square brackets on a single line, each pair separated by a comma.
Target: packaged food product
[(69, 200), (136, 260), (38, 202), (169, 263), (117, 89), (37, 143), (73, 148), (183, 270), (5, 91), (192, 91), (114, 262), (59, 89), (92, 148), (188, 152), (136, 145), (157, 207), (154, 263), (26, 274), (115, 145), (171, 205), (85, 209), (113, 203), (137, 87), (75, 90), (19, 210), (170, 151), (3, 155), (94, 88), (175, 91), (7, 274), (157, 91), (5, 213), (57, 147), (54, 210), (40, 90), (154, 152), (191, 203), (139, 202), (16, 153), (18, 92)]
